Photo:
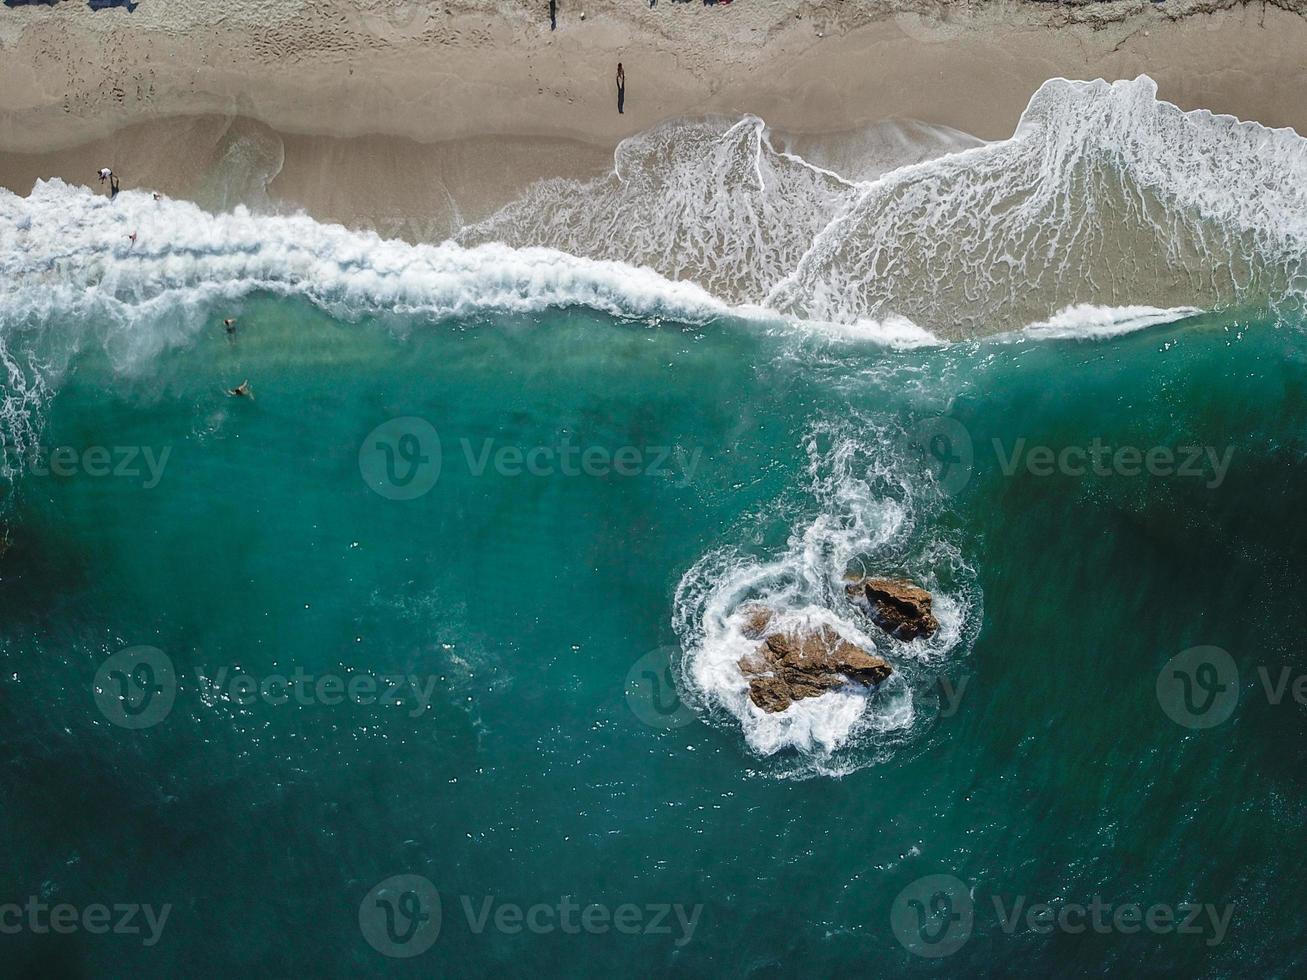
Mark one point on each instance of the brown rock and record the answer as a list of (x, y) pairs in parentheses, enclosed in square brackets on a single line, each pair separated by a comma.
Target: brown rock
[(899, 607), (756, 620), (799, 664)]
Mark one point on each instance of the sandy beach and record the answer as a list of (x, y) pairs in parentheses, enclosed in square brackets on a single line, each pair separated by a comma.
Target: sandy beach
[(369, 111)]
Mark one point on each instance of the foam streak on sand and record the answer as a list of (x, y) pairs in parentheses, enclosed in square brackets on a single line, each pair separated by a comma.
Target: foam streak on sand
[(1104, 198), (1104, 195)]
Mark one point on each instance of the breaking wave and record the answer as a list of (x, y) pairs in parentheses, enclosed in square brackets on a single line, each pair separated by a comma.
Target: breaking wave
[(66, 251), (710, 201), (1104, 198)]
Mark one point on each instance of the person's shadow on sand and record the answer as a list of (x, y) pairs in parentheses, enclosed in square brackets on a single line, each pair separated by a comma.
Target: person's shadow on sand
[(621, 88)]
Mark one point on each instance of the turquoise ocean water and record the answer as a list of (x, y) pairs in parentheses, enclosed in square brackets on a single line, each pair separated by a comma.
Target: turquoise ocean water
[(537, 771), (420, 659)]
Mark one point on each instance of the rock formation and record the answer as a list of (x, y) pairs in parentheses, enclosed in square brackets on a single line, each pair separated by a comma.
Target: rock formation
[(793, 664), (899, 607)]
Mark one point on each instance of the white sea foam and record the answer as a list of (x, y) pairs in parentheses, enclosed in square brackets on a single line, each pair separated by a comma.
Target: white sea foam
[(66, 251), (708, 200), (1088, 322), (23, 397), (873, 150), (894, 331), (1104, 195), (860, 511)]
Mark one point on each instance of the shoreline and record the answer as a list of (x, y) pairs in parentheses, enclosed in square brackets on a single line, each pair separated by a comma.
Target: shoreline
[(361, 118)]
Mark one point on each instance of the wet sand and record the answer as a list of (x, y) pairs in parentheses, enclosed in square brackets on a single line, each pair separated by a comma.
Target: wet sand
[(372, 111)]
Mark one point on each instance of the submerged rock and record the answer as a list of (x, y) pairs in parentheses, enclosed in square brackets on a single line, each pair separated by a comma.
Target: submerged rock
[(802, 663), (899, 607)]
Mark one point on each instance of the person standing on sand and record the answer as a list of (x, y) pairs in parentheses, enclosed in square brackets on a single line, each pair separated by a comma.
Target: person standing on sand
[(105, 174), (553, 14), (621, 88)]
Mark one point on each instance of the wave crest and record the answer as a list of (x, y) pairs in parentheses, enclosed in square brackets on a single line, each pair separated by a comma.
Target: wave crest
[(1103, 196), (711, 201)]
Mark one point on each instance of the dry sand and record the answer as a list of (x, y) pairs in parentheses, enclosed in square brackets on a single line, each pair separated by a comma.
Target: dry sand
[(372, 111)]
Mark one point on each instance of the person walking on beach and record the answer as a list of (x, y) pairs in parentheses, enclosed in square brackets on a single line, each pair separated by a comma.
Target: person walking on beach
[(621, 88), (553, 14)]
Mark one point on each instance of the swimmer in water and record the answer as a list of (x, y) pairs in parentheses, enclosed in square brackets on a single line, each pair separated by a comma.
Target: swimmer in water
[(242, 390)]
